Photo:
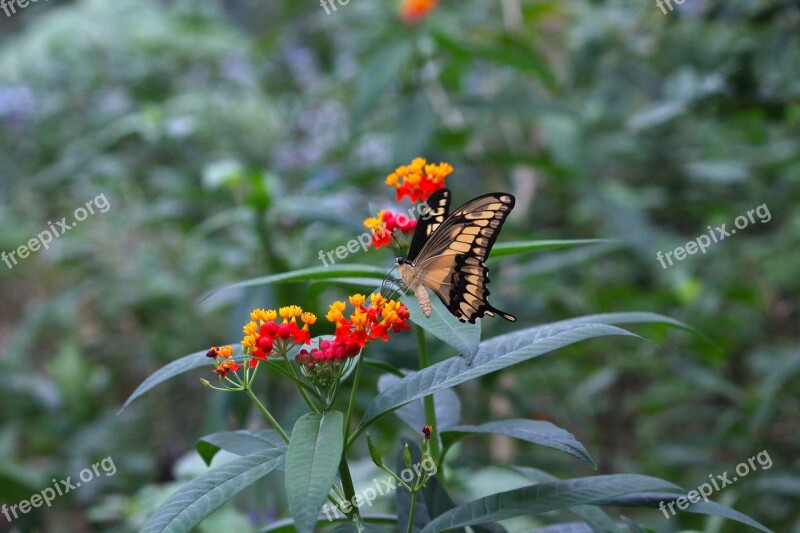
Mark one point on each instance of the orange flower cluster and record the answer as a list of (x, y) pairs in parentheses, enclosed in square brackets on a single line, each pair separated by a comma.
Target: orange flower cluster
[(419, 179), (368, 323), (262, 336), (365, 324), (412, 11), (385, 224)]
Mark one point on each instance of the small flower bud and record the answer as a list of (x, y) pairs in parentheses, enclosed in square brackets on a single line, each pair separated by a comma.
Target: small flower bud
[(374, 453)]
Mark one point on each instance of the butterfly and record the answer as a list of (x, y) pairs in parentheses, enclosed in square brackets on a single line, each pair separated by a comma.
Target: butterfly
[(448, 253)]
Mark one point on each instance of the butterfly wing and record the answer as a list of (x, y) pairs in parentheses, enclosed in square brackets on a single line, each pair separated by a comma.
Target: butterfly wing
[(452, 261), (429, 221)]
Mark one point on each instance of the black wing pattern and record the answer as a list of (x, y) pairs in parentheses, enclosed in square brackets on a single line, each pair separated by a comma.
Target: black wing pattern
[(452, 261), (429, 221)]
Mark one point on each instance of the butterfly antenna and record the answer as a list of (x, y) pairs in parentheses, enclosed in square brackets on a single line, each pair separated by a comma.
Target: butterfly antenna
[(385, 281), (398, 249)]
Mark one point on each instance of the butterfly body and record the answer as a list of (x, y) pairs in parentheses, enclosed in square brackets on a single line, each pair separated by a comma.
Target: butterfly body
[(448, 253)]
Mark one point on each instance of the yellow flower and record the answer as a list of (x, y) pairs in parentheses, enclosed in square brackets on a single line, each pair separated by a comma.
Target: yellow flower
[(290, 312), (251, 328), (270, 315), (377, 299), (357, 300), (335, 312), (359, 317), (309, 318)]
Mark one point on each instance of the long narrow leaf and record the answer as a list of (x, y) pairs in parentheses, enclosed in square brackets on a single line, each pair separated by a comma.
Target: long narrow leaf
[(176, 368), (242, 442), (545, 497), (520, 247), (535, 431), (661, 501), (496, 354), (190, 504), (595, 517), (311, 465), (306, 274)]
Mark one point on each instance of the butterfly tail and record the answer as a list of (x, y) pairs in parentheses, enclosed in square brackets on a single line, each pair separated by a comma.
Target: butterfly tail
[(492, 311)]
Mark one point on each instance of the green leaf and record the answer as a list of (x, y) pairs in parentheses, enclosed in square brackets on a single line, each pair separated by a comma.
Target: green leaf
[(535, 431), (448, 407), (287, 525), (311, 465), (176, 368), (190, 504), (307, 274), (462, 336), (198, 360), (350, 527), (545, 497), (592, 515), (493, 355), (520, 247), (654, 500), (242, 442)]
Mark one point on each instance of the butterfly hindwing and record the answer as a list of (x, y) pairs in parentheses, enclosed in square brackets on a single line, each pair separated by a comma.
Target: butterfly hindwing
[(452, 261), (429, 221)]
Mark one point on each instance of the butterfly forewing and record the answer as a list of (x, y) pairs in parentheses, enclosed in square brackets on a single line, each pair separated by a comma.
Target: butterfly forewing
[(429, 221), (452, 261)]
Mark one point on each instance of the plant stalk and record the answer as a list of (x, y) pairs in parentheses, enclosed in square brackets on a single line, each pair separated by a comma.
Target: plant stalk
[(428, 401)]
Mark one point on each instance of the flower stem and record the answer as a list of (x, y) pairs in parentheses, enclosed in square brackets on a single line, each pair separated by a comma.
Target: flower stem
[(410, 526), (352, 404), (428, 401), (268, 416), (349, 489), (299, 382)]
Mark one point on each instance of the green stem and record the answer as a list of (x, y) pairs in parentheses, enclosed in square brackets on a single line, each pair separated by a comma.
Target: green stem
[(352, 404), (349, 490), (268, 416), (298, 381), (410, 526), (428, 402)]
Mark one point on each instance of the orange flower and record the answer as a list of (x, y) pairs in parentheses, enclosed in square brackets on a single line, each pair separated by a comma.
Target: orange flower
[(412, 11), (385, 224), (419, 179), (226, 366), (368, 323)]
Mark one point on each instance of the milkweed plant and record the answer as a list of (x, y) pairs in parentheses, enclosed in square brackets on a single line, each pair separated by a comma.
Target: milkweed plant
[(327, 372)]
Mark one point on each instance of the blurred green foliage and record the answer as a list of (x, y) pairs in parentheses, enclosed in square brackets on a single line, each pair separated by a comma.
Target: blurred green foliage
[(238, 139)]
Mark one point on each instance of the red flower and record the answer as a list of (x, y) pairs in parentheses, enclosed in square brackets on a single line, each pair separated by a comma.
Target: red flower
[(385, 224)]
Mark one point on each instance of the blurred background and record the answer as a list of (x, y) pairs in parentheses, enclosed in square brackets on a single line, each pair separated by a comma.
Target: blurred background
[(237, 139)]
